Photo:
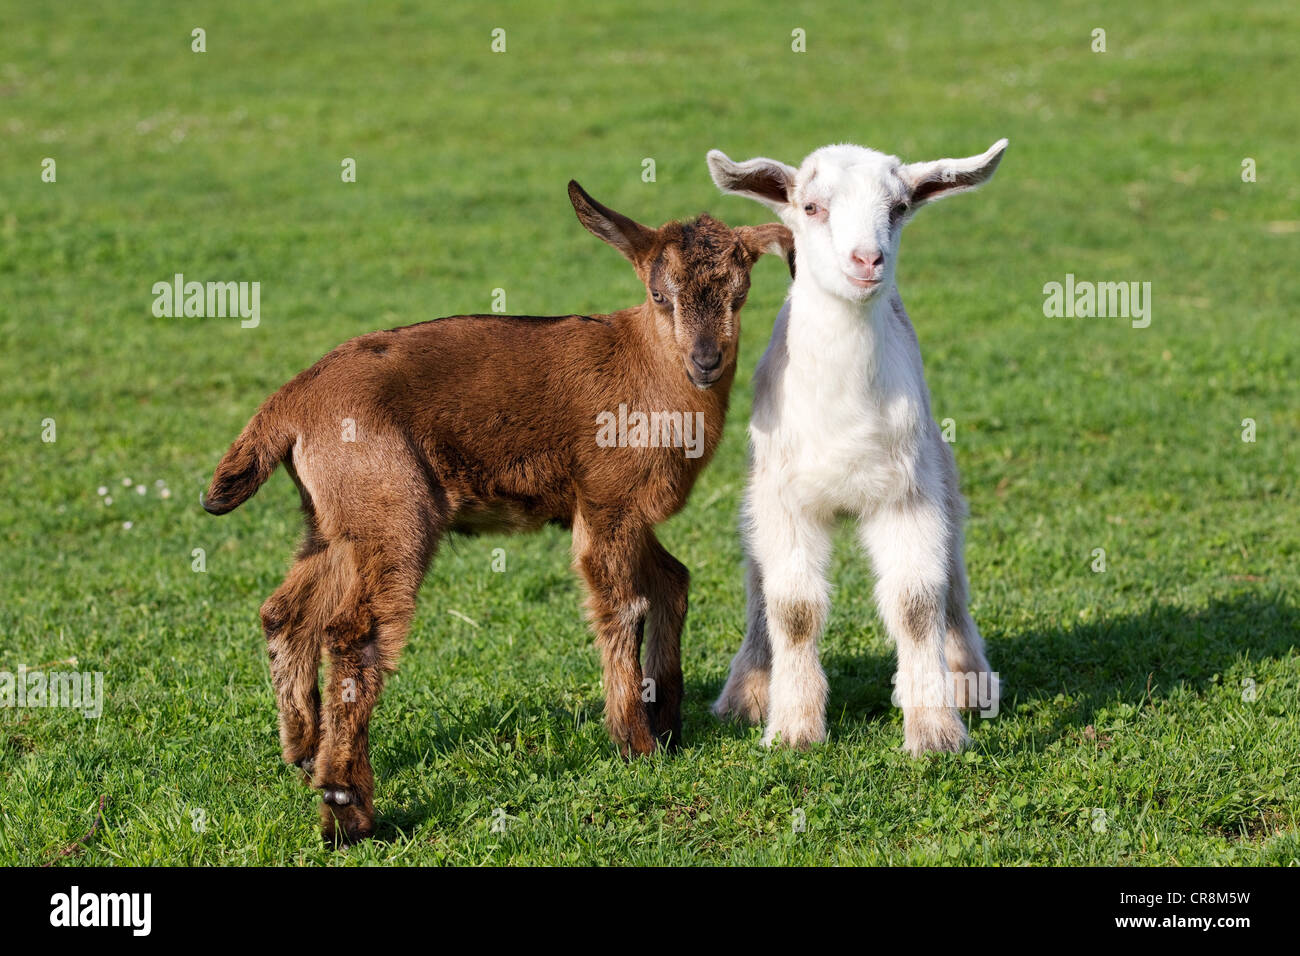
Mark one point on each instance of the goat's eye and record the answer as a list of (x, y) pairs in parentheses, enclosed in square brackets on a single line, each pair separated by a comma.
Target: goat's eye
[(658, 296), (899, 210), (812, 209)]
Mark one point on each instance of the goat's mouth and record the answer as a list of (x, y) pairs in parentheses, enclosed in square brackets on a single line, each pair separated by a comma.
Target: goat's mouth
[(861, 282), (703, 381)]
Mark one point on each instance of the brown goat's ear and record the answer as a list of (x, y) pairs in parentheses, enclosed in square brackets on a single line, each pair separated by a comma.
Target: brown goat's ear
[(772, 238), (626, 235)]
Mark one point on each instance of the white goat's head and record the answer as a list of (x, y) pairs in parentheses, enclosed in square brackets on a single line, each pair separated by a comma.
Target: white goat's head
[(846, 206)]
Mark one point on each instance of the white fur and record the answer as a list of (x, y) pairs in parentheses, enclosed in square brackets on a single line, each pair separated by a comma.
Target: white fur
[(842, 426)]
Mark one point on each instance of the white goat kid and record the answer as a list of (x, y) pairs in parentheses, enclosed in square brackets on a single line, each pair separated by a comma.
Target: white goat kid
[(842, 425)]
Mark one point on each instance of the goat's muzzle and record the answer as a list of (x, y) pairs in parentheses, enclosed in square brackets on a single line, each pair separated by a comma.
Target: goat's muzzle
[(705, 365)]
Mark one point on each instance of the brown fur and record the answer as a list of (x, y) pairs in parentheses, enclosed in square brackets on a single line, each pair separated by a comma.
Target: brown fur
[(921, 614), (489, 422), (802, 619)]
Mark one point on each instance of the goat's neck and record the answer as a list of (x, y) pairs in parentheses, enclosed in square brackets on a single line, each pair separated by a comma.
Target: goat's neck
[(826, 329)]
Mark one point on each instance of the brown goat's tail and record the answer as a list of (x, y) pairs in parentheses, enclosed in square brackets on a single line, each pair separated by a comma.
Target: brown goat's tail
[(251, 459)]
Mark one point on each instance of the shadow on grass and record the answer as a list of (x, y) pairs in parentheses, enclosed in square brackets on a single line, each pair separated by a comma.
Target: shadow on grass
[(1092, 664), (1099, 662)]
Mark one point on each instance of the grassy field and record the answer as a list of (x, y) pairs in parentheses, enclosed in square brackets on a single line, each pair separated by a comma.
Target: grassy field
[(1152, 710)]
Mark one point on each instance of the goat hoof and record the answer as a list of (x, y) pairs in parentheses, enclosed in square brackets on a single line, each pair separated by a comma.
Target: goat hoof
[(344, 824), (669, 738), (731, 711), (307, 765), (797, 737), (631, 749), (934, 730), (670, 743), (743, 699)]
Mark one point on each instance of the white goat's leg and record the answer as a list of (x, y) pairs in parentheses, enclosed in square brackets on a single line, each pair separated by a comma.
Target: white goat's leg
[(793, 550), (908, 543), (975, 686), (745, 695)]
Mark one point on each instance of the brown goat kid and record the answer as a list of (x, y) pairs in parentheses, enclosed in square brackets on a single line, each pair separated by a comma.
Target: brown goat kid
[(490, 422)]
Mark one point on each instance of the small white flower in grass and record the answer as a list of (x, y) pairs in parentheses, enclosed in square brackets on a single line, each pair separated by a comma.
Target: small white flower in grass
[(108, 500), (126, 482), (159, 483), (140, 489), (166, 492), (126, 526), (102, 491)]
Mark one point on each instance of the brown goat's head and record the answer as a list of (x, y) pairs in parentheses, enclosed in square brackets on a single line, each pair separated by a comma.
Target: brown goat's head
[(696, 276)]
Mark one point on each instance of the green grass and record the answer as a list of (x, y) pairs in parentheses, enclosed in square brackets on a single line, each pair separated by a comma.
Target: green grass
[(1124, 688)]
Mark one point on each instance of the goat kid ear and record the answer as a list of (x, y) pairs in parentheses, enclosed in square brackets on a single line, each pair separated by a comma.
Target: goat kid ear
[(766, 180), (629, 237), (772, 238), (945, 177)]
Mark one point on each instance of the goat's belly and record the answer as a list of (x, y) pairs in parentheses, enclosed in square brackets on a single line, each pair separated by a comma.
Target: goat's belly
[(856, 482), (498, 517)]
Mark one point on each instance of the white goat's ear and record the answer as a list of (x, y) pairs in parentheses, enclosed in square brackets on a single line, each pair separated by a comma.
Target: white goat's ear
[(944, 177), (766, 180)]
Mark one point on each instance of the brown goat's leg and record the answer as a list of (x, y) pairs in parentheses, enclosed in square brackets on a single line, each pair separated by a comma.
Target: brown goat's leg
[(667, 583), (362, 642), (610, 563), (294, 618)]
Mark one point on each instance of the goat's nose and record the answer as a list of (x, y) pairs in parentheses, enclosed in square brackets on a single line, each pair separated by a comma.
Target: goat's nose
[(868, 258), (706, 357)]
